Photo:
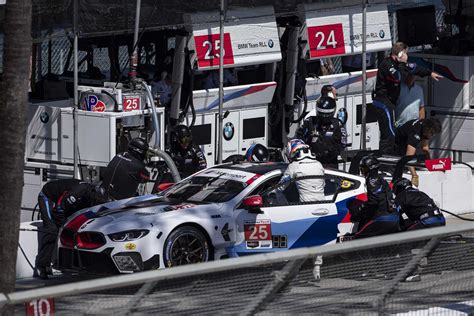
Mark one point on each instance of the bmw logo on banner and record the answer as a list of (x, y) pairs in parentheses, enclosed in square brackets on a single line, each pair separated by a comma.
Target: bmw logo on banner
[(44, 117), (228, 131)]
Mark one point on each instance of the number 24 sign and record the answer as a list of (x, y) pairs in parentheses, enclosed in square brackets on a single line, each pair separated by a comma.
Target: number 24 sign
[(326, 40)]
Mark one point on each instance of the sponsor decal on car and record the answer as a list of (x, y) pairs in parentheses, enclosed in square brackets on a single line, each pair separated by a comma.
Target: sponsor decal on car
[(253, 244), (178, 207), (346, 184), (226, 231), (130, 246), (144, 214), (236, 175)]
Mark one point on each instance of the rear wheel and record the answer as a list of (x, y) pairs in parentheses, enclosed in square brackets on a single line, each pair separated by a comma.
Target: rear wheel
[(186, 245)]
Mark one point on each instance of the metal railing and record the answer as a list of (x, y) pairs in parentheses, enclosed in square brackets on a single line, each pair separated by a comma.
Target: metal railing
[(361, 276)]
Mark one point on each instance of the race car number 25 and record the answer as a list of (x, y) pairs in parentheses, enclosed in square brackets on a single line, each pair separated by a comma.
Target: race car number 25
[(258, 230), (326, 40), (208, 49)]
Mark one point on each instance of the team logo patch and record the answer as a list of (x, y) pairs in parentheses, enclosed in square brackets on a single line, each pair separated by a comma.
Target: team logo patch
[(228, 131), (130, 246), (346, 184), (382, 34), (44, 117), (270, 43), (93, 104)]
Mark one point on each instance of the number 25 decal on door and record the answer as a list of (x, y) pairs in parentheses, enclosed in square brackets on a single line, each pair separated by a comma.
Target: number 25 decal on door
[(259, 230)]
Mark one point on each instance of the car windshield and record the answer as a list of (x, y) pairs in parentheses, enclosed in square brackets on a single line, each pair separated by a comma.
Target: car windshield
[(206, 189)]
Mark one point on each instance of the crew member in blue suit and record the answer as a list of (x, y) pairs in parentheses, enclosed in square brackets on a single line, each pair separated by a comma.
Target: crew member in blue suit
[(377, 216)]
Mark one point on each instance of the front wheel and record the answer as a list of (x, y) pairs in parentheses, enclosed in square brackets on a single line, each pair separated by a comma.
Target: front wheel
[(186, 245)]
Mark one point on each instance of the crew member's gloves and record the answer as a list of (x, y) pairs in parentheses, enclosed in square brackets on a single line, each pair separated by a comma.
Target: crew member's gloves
[(415, 180)]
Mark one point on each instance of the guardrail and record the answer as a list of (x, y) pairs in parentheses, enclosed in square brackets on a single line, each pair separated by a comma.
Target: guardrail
[(261, 282)]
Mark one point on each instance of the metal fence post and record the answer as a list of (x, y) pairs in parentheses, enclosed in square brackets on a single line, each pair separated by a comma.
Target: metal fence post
[(267, 294), (409, 268)]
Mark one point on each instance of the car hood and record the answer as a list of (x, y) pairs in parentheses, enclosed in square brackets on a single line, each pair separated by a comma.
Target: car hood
[(144, 214)]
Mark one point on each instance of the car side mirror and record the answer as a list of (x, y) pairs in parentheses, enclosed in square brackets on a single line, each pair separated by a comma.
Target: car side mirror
[(165, 186), (253, 203)]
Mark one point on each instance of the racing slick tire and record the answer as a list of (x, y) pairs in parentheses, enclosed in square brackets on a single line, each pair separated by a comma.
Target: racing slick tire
[(185, 245)]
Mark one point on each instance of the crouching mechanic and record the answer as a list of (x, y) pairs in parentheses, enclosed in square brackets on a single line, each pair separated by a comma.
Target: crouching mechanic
[(377, 216), (304, 164), (417, 209), (126, 171), (58, 200)]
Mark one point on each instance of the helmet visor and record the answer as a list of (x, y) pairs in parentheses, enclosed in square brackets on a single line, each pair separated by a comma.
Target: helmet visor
[(185, 140)]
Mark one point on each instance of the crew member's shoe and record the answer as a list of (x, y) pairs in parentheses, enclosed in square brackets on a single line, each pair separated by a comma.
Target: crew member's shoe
[(41, 273)]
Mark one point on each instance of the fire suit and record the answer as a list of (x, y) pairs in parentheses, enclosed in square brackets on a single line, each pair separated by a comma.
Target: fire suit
[(124, 173), (324, 138), (387, 90), (58, 200), (309, 190), (378, 215), (418, 210), (189, 160)]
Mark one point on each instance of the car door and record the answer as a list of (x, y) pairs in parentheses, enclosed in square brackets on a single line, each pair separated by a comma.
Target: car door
[(284, 223)]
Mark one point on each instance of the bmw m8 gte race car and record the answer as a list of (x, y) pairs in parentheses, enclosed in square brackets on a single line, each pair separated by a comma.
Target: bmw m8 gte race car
[(224, 211)]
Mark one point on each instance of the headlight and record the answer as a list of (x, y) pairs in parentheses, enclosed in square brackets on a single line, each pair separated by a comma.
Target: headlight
[(129, 235)]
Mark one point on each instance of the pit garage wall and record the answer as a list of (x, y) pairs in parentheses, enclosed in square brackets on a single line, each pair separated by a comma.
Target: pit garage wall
[(451, 100), (451, 190)]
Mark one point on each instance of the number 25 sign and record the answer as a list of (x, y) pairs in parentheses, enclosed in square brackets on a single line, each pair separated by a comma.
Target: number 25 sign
[(208, 49), (326, 40)]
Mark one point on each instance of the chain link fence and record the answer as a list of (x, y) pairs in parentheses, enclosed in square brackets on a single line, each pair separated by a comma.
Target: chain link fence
[(392, 274)]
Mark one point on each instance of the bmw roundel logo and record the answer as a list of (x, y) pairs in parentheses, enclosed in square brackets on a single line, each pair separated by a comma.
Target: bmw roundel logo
[(270, 43), (228, 131), (44, 117), (382, 34)]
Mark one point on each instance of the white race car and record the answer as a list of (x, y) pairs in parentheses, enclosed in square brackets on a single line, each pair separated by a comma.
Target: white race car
[(224, 211)]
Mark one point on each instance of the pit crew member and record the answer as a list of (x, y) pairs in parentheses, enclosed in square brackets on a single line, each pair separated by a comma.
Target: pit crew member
[(391, 72), (187, 156), (58, 200), (417, 209), (126, 171), (323, 132), (377, 216), (414, 134)]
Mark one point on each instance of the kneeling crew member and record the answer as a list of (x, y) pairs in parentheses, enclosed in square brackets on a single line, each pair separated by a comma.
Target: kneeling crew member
[(417, 208), (378, 216)]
